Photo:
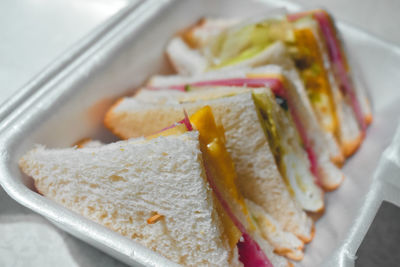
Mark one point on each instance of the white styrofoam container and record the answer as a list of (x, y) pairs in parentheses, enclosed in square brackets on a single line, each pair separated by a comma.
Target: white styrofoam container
[(68, 100)]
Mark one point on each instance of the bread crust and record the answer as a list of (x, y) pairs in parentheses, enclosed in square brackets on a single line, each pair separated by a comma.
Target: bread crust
[(321, 210), (187, 33), (81, 143), (368, 118), (308, 239), (315, 216), (334, 187), (109, 118), (338, 159), (290, 254), (351, 146)]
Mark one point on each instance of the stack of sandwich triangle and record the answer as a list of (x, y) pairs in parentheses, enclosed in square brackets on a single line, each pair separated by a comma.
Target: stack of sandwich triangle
[(221, 164)]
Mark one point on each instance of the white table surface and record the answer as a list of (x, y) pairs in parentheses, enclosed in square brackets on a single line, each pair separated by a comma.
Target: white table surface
[(33, 33)]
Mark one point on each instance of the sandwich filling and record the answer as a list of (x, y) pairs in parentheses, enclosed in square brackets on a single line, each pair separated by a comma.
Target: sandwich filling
[(309, 62), (337, 58), (219, 164), (287, 148), (243, 42)]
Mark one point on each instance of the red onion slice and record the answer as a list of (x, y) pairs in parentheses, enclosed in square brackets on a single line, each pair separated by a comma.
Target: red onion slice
[(250, 253)]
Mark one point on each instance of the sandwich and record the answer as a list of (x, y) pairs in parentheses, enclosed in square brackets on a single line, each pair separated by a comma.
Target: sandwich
[(273, 169), (321, 148), (311, 41), (173, 192), (340, 66), (219, 164)]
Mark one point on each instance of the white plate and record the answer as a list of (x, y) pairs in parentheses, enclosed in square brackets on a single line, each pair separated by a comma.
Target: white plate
[(67, 103)]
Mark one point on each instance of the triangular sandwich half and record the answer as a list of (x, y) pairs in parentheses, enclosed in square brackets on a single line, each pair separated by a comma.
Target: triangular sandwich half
[(155, 190)]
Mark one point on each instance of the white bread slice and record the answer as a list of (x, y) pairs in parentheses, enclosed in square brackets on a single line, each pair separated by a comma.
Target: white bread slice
[(323, 143), (122, 185), (258, 176)]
